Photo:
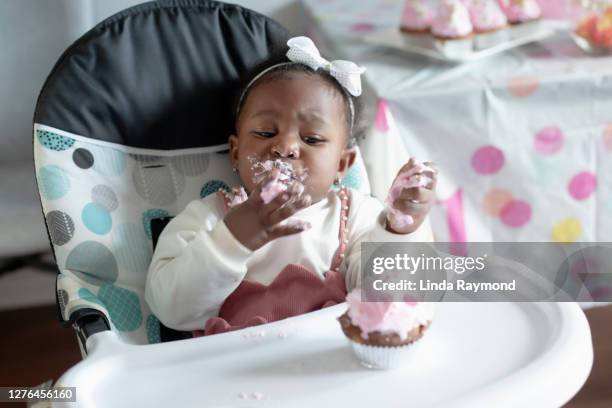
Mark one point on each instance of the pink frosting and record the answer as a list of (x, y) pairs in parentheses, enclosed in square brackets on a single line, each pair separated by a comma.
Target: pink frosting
[(416, 16), (520, 11), (285, 177), (272, 189), (239, 196), (387, 317), (301, 224), (412, 177), (452, 20), (397, 219), (263, 168), (486, 15)]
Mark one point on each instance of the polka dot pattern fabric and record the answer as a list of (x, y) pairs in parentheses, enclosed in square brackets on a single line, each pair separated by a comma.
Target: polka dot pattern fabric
[(61, 227), (99, 200), (123, 305), (54, 141), (153, 334), (213, 186), (555, 185)]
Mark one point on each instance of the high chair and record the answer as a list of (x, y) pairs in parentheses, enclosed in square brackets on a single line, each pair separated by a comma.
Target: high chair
[(130, 126)]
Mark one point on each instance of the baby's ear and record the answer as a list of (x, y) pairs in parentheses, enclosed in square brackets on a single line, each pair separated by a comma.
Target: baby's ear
[(346, 161), (233, 150)]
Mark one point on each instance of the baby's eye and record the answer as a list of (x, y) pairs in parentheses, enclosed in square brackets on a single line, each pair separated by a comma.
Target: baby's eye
[(265, 134), (312, 140)]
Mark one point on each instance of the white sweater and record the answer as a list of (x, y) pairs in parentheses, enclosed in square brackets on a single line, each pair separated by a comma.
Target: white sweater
[(198, 263)]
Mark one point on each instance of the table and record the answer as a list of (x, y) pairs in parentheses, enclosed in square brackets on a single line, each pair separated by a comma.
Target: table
[(523, 139), (539, 356)]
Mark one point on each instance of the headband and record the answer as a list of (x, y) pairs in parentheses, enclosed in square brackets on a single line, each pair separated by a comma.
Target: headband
[(303, 51)]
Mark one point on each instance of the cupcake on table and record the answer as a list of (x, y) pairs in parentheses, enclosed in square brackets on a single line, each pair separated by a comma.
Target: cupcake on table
[(523, 15), (416, 17), (382, 333), (452, 28), (489, 23)]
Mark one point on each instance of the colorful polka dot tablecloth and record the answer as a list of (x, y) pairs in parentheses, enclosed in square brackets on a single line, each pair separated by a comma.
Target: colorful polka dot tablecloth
[(523, 139)]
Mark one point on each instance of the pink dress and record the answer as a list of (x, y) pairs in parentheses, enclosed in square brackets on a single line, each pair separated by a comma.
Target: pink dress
[(295, 290)]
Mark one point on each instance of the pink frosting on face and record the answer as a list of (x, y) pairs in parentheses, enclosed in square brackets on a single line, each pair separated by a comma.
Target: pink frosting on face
[(387, 317), (262, 169), (520, 11), (452, 20), (286, 175), (486, 15), (416, 16)]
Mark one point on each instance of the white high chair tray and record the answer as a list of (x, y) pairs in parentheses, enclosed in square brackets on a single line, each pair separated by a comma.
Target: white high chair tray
[(474, 355)]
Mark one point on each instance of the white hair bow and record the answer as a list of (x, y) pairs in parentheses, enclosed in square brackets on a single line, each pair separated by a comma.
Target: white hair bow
[(347, 73)]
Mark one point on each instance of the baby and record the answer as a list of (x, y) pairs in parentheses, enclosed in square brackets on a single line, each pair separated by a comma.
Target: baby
[(285, 242)]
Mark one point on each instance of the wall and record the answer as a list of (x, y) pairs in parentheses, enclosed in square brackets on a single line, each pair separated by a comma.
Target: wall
[(34, 33)]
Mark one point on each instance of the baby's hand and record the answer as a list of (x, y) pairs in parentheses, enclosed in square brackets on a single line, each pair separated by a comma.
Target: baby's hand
[(411, 196), (258, 220)]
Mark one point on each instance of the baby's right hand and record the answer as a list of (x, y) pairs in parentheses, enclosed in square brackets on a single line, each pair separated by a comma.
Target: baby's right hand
[(255, 223)]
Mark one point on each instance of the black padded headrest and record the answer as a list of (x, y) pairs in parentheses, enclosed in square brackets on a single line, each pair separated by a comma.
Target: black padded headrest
[(161, 75)]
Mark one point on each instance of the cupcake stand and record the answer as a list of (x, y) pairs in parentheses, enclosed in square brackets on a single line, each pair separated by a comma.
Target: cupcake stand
[(474, 355)]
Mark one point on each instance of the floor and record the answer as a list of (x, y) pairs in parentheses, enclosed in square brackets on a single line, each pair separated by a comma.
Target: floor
[(26, 288), (35, 348)]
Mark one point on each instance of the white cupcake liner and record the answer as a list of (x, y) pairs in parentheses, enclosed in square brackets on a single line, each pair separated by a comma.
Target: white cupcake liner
[(384, 357)]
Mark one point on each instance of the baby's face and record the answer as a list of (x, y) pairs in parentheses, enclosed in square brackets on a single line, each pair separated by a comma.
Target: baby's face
[(298, 119)]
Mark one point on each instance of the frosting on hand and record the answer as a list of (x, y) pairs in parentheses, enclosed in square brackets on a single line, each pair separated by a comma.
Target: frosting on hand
[(412, 177), (239, 196), (272, 189)]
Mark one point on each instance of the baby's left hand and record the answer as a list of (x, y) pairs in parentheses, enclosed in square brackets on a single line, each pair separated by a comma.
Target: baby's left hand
[(411, 196)]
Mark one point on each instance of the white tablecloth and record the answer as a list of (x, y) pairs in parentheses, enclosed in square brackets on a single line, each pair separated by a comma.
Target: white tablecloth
[(523, 139)]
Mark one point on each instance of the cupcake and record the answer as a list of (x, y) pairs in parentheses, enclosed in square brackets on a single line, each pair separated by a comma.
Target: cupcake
[(452, 28), (381, 333), (489, 22), (523, 15), (416, 17)]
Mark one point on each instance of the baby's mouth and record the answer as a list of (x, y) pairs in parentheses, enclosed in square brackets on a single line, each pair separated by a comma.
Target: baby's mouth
[(286, 177), (287, 172)]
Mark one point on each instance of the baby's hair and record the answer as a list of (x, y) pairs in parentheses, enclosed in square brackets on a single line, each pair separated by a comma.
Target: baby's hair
[(284, 70)]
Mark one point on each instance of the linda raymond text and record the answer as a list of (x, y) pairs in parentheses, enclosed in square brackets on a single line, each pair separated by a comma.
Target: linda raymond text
[(429, 286)]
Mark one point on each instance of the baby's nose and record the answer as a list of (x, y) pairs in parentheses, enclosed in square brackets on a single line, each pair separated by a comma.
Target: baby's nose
[(286, 150)]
